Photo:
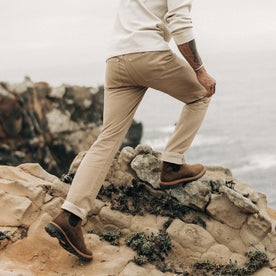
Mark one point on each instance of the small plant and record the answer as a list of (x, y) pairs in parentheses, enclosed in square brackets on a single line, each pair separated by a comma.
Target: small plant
[(68, 178), (204, 264), (142, 259), (257, 260), (111, 236), (162, 242), (149, 249), (138, 199)]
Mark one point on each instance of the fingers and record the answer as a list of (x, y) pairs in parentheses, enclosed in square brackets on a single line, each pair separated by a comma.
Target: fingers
[(210, 91)]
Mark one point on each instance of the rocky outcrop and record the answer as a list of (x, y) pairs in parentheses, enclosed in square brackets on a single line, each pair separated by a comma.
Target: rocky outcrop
[(216, 218), (51, 125)]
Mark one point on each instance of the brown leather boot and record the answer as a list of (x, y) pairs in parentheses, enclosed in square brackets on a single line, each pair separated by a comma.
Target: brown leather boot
[(66, 227), (172, 175)]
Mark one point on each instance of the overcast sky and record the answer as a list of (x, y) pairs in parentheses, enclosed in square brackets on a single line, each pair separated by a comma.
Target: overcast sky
[(64, 40)]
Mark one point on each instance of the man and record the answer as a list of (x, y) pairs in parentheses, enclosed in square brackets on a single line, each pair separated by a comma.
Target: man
[(139, 57)]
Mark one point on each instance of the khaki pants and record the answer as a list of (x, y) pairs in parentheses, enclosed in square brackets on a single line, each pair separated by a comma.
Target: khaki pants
[(127, 79)]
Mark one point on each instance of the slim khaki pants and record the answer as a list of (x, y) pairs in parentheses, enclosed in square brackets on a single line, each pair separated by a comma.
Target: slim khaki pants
[(127, 80)]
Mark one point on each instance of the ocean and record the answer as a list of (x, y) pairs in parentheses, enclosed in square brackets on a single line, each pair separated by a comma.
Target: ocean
[(240, 126)]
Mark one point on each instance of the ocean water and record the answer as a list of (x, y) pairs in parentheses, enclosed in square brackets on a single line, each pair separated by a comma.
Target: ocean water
[(239, 129)]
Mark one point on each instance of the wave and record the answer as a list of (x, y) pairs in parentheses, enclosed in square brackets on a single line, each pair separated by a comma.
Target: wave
[(261, 161), (158, 138)]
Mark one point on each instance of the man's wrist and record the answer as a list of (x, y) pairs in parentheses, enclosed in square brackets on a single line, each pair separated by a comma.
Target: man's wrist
[(200, 70)]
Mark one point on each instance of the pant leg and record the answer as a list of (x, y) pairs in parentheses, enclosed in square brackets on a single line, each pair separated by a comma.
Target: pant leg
[(167, 72), (121, 100)]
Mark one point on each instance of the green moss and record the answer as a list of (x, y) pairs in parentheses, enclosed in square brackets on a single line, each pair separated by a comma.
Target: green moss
[(257, 260), (111, 236), (149, 249), (138, 199)]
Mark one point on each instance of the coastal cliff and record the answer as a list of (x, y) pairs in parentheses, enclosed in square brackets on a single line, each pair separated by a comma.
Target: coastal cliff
[(216, 224), (51, 125)]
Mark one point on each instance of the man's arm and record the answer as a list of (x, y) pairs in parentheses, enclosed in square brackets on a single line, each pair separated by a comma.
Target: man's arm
[(189, 51)]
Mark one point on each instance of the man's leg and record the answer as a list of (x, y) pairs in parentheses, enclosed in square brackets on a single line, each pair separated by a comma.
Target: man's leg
[(120, 106), (168, 73), (121, 100)]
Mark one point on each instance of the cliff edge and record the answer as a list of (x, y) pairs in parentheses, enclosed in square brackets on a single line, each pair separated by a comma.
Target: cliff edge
[(136, 229)]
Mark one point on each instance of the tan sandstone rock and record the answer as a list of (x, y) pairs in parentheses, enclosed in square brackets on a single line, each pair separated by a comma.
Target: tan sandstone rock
[(192, 238)]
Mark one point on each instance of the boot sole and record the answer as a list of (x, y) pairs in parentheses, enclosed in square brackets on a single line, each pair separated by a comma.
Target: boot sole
[(174, 184), (56, 232)]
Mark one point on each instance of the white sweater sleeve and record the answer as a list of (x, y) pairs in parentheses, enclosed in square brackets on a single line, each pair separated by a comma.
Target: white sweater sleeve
[(178, 20)]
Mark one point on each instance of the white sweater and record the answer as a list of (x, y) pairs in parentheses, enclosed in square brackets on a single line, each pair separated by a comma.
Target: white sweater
[(148, 25)]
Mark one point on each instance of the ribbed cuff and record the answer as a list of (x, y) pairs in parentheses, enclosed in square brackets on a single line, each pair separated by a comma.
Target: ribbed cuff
[(173, 157), (72, 208), (184, 36)]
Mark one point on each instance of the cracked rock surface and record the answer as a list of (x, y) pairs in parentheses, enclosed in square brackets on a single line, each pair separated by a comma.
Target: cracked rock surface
[(226, 219)]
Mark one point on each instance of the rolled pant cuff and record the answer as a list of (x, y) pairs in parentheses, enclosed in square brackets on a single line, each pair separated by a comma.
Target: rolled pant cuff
[(173, 157), (72, 208)]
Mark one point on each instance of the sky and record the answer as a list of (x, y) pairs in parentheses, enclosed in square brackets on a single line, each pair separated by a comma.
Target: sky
[(65, 40)]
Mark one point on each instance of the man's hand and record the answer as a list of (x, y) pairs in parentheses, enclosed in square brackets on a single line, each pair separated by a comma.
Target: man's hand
[(190, 53), (207, 81)]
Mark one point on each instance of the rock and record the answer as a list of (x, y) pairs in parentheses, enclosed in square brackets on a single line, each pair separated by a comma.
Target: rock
[(60, 189), (42, 176), (265, 272), (217, 253), (147, 224), (143, 149), (227, 219), (114, 217), (255, 229), (193, 238), (119, 178), (96, 208), (21, 184), (14, 273), (239, 259), (59, 122), (58, 92), (135, 270), (270, 242), (36, 230), (16, 210), (51, 125), (195, 194), (53, 207), (245, 205), (226, 235), (127, 154), (147, 168), (223, 210)]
